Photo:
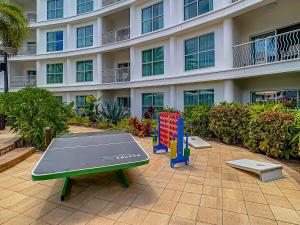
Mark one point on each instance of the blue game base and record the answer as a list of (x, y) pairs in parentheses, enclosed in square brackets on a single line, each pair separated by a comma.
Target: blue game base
[(180, 159), (160, 147)]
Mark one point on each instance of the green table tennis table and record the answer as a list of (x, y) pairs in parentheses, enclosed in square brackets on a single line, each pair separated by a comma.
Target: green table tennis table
[(83, 154)]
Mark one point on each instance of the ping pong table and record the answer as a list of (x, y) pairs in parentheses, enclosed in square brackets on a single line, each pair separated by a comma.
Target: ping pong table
[(82, 154)]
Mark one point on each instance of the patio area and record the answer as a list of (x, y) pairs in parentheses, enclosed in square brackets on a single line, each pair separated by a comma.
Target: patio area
[(205, 192)]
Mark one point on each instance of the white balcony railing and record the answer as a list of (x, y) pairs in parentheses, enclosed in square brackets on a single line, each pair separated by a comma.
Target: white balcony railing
[(28, 49), (22, 81), (275, 48), (117, 35), (109, 2), (118, 75), (30, 16)]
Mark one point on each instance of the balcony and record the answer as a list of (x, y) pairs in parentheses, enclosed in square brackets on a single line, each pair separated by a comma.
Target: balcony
[(120, 34), (30, 16), (28, 49), (109, 2), (22, 81), (118, 75), (280, 47)]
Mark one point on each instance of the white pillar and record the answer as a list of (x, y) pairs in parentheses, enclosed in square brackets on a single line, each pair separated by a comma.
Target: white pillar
[(68, 97), (69, 73), (173, 55), (98, 69), (229, 91), (39, 75), (38, 10), (38, 41), (69, 38), (173, 16), (98, 32), (228, 43), (133, 102), (173, 96), (132, 21), (133, 64)]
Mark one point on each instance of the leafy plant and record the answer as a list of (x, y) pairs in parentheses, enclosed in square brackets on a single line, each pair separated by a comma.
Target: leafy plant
[(170, 110), (78, 120), (92, 108), (111, 112), (142, 128), (149, 113), (30, 110)]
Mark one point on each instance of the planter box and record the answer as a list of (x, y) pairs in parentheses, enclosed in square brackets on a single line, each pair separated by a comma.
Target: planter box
[(2, 122)]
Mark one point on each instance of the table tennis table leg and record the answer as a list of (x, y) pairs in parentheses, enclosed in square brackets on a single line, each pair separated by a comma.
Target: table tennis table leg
[(66, 188), (123, 178)]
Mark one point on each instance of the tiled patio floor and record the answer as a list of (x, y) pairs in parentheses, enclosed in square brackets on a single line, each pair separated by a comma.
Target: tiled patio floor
[(206, 192)]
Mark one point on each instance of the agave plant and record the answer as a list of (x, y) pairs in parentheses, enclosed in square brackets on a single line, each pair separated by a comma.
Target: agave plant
[(111, 112)]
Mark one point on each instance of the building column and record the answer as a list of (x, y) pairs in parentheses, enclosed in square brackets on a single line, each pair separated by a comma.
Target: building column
[(173, 14), (228, 43), (133, 64), (69, 38), (38, 41), (173, 54), (39, 76), (38, 10), (133, 105), (67, 78), (68, 97), (132, 20), (173, 96), (229, 91), (98, 31), (98, 69)]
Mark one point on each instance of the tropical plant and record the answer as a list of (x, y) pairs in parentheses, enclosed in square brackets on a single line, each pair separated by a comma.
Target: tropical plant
[(13, 31), (169, 109), (30, 110), (142, 128), (92, 108), (111, 112)]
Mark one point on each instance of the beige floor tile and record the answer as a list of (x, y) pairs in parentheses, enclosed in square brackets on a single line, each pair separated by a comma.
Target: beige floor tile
[(175, 220), (12, 199), (113, 211), (193, 188), (232, 194), (175, 185), (196, 180), (5, 192), (38, 222), (231, 218), (212, 191), (212, 182), (20, 219), (134, 216), (190, 198), (6, 215), (57, 215), (171, 195), (94, 206), (144, 201), (100, 221), (295, 203), (164, 206), (234, 206), (186, 211), (231, 184), (255, 209), (154, 218), (286, 215), (272, 190), (209, 215), (261, 221), (211, 202), (22, 186), (250, 187), (278, 201), (78, 218), (251, 196), (40, 210), (25, 204), (125, 198)]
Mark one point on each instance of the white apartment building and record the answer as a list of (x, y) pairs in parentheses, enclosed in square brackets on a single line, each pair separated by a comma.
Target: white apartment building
[(161, 52)]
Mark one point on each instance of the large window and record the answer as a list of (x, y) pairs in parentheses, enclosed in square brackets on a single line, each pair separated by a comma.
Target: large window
[(199, 97), (84, 6), (123, 102), (200, 52), (54, 73), (55, 9), (153, 61), (80, 102), (55, 41), (154, 100), (153, 18), (85, 36), (289, 98), (194, 8), (84, 71)]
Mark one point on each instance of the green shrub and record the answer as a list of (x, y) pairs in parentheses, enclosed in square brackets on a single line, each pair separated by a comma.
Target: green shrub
[(105, 125), (196, 120), (78, 120), (30, 110), (111, 112), (125, 125), (270, 133)]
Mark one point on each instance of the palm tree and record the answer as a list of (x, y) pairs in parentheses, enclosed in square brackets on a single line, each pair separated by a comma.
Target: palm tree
[(13, 31)]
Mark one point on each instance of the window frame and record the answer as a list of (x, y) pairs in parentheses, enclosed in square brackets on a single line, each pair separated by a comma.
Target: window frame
[(84, 36), (85, 71), (55, 10), (155, 107), (55, 41), (153, 62), (76, 101), (198, 91), (211, 5), (153, 17), (55, 74), (78, 5)]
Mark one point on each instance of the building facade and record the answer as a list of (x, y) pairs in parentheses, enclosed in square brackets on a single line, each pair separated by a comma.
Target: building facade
[(161, 53)]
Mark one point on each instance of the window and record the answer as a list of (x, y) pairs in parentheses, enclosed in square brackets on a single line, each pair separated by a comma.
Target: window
[(289, 98), (80, 102), (153, 61), (153, 18), (84, 71), (85, 36), (198, 97), (194, 8), (55, 9), (154, 100), (31, 73), (200, 52), (55, 41), (123, 102), (54, 73), (84, 6)]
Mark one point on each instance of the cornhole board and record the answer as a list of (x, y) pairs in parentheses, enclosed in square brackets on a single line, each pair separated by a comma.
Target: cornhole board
[(197, 142), (266, 171)]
